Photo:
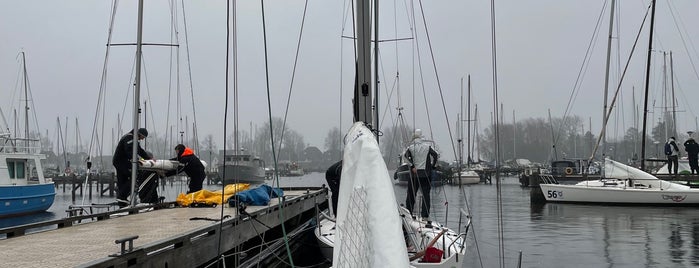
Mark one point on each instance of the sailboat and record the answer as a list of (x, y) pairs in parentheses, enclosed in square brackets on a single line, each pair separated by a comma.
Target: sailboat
[(370, 228), (23, 187), (465, 175), (623, 184)]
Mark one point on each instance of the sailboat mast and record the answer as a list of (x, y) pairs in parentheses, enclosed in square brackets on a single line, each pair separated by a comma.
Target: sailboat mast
[(674, 101), (26, 101), (376, 69), (468, 123), (645, 101), (606, 79), (136, 102), (362, 94)]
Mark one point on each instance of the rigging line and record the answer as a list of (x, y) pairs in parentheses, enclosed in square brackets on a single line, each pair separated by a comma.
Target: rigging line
[(439, 84), (388, 93), (582, 70), (609, 112), (169, 73), (501, 224), (416, 47), (271, 130), (129, 88), (293, 75), (684, 98), (684, 43), (475, 238), (191, 84), (225, 117), (342, 49)]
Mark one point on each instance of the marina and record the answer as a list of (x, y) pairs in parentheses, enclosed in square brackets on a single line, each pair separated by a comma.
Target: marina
[(197, 154)]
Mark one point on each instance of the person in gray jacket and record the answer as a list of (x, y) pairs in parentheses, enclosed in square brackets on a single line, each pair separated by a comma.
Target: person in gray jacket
[(422, 158)]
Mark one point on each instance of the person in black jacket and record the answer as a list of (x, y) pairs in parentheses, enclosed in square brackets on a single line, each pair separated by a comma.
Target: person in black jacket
[(122, 163), (692, 149), (332, 176), (192, 167)]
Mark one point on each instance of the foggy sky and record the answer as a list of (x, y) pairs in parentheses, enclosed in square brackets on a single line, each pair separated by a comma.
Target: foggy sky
[(541, 45)]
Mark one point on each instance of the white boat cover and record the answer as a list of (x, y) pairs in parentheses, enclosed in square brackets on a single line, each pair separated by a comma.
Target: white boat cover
[(369, 230), (158, 165)]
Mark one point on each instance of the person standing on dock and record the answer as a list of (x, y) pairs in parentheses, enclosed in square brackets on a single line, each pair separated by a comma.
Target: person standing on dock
[(192, 167), (122, 163), (672, 152), (422, 158), (692, 149)]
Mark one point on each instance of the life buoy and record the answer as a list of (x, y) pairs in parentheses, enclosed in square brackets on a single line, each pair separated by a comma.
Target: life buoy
[(569, 171)]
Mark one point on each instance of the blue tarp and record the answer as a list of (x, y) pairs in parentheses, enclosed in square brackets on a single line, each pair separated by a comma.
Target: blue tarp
[(259, 196)]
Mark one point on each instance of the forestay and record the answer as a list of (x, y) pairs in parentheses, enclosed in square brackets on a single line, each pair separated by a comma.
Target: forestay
[(368, 225)]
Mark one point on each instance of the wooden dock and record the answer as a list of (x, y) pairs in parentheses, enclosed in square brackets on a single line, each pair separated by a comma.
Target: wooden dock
[(167, 237)]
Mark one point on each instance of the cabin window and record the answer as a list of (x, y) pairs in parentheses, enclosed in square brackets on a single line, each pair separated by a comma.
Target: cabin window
[(16, 169)]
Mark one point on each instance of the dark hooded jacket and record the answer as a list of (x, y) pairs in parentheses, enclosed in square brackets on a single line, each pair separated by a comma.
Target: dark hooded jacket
[(122, 153), (192, 165)]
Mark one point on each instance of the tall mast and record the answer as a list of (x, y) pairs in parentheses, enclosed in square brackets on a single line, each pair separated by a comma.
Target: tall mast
[(376, 68), (468, 123), (26, 102), (460, 128), (674, 101), (362, 94), (606, 79), (136, 102), (645, 100)]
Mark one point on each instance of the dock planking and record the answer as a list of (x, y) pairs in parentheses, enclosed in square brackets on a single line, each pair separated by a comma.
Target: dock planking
[(166, 237)]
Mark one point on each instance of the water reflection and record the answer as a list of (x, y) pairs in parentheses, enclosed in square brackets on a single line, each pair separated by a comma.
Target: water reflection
[(676, 242)]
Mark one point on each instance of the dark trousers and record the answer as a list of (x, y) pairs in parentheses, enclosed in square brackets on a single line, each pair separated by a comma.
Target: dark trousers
[(421, 181), (672, 160), (694, 166), (147, 182), (334, 185), (123, 185), (195, 184)]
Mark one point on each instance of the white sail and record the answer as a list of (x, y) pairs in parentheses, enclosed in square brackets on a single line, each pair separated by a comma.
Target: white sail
[(368, 225), (616, 170)]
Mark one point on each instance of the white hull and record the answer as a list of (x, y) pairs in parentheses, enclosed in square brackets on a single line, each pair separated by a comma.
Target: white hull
[(620, 195), (325, 236), (466, 177), (624, 185)]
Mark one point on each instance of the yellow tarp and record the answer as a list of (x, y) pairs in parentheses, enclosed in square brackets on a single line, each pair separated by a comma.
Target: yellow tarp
[(211, 197)]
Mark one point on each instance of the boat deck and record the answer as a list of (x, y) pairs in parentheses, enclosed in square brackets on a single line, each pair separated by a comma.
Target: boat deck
[(162, 235)]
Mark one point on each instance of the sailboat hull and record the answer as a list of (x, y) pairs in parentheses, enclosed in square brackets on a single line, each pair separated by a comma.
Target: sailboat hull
[(619, 195), (25, 199)]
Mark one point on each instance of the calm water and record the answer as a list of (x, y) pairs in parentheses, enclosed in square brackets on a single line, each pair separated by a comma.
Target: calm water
[(552, 235)]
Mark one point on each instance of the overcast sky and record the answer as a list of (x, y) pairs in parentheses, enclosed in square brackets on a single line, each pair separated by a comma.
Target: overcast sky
[(541, 47)]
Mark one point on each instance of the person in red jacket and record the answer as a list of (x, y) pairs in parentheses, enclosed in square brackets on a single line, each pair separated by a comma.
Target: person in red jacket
[(193, 167)]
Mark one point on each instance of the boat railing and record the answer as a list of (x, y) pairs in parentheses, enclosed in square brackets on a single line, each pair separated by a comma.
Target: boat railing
[(19, 145), (547, 179)]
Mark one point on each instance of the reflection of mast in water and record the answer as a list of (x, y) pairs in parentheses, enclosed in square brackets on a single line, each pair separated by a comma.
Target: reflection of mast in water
[(607, 245), (676, 242), (647, 249), (695, 243)]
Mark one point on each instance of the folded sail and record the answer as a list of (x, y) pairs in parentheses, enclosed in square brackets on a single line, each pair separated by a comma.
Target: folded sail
[(368, 225)]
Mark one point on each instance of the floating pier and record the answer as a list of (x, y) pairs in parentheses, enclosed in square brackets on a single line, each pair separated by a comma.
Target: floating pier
[(164, 237)]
